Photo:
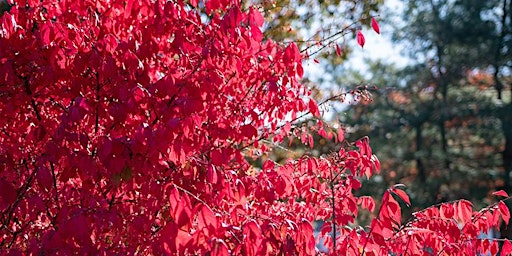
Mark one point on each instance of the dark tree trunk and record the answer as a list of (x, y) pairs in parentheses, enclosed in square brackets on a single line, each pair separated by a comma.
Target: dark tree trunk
[(419, 146), (506, 124), (505, 115)]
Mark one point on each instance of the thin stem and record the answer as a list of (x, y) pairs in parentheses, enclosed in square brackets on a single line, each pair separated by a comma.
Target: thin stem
[(97, 123), (296, 118), (54, 177), (333, 205), (32, 101), (194, 196)]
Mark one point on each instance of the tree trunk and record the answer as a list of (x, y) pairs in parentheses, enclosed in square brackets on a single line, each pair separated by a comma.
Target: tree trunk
[(419, 145), (506, 124)]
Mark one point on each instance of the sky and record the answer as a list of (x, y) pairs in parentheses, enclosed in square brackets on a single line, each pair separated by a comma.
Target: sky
[(379, 46)]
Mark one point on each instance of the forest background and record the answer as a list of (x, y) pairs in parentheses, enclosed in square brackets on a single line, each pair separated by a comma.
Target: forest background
[(440, 115)]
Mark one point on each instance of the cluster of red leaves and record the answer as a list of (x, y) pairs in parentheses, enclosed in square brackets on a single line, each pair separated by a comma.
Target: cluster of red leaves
[(447, 229), (124, 127)]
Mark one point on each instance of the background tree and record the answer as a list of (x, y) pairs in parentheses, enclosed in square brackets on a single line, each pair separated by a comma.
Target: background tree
[(441, 122), (312, 21), (457, 38), (402, 121)]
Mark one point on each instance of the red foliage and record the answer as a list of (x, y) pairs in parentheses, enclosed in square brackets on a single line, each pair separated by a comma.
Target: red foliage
[(375, 26), (360, 38), (125, 127)]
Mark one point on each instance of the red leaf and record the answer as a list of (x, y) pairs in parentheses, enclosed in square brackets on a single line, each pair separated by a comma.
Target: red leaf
[(252, 233), (375, 26), (269, 165), (110, 42), (400, 193), (392, 211), (287, 127), (326, 228), (311, 141), (256, 33), (128, 9), (7, 25), (7, 194), (306, 231), (355, 184), (182, 214), (207, 217), (340, 134), (338, 50), (291, 53), (376, 162), (379, 239), (179, 207), (45, 32), (464, 210), (505, 213), (360, 38), (248, 131), (220, 249), (313, 108), (494, 247), (255, 17), (174, 239), (506, 249), (44, 178), (366, 202), (193, 3), (174, 198), (68, 173), (501, 193), (447, 211), (211, 174), (322, 133), (300, 70), (217, 157), (81, 228)]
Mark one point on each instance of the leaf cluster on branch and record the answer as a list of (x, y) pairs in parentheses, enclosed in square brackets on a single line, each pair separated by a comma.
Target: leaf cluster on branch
[(126, 128)]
